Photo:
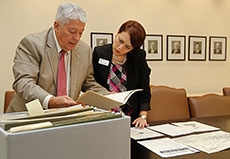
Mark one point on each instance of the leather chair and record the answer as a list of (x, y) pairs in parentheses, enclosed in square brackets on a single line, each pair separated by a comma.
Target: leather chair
[(168, 104), (8, 97), (226, 91), (209, 105)]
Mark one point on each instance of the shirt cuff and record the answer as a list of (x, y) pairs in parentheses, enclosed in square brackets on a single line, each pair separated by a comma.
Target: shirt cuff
[(45, 102)]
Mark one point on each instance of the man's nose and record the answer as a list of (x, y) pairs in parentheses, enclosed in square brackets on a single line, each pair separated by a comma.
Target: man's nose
[(76, 36)]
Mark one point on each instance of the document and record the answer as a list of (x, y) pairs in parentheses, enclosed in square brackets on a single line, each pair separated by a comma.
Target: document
[(196, 126), (143, 133), (82, 117), (30, 127), (166, 147), (170, 130), (34, 108), (209, 142), (105, 102)]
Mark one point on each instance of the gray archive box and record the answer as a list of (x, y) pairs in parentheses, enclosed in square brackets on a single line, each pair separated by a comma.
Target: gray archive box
[(107, 139)]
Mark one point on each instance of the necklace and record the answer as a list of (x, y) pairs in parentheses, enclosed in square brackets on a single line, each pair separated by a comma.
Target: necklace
[(116, 60)]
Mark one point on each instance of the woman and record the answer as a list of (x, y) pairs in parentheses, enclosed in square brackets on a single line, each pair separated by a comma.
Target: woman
[(121, 66)]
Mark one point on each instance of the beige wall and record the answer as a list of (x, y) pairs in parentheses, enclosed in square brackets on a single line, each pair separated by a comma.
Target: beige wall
[(185, 17)]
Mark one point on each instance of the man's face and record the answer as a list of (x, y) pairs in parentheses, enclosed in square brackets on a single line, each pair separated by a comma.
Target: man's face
[(69, 34), (197, 47), (217, 45), (176, 45), (152, 45)]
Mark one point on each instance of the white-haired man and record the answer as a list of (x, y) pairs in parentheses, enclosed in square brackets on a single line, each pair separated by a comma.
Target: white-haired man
[(54, 66)]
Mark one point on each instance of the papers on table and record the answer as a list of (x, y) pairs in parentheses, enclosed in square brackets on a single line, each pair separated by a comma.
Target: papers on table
[(139, 133), (170, 130), (195, 126), (207, 142), (166, 147)]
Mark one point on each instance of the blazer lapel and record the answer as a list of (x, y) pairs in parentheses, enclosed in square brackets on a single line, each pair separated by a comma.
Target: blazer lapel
[(52, 54), (108, 56)]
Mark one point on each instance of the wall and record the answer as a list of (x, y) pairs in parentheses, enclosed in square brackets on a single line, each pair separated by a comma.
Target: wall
[(179, 17)]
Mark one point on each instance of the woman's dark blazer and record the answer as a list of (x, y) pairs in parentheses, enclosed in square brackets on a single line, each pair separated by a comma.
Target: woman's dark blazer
[(137, 75)]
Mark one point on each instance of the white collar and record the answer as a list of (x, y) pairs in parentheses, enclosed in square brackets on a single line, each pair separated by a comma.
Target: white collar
[(59, 49)]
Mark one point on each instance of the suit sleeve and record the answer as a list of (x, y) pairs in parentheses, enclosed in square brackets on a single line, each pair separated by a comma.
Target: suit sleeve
[(26, 71)]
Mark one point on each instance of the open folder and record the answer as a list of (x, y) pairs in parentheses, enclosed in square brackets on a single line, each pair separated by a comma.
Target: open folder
[(106, 101)]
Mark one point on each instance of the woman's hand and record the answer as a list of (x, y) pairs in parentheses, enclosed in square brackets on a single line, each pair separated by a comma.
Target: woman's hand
[(140, 122)]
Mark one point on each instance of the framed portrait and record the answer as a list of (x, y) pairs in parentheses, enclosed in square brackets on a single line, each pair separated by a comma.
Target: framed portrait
[(99, 39), (217, 48), (197, 48), (175, 47), (153, 47)]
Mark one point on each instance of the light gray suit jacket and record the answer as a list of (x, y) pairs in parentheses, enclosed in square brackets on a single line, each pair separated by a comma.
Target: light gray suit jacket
[(35, 70)]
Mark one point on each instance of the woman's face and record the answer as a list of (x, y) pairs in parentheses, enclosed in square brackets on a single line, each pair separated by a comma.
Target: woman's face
[(122, 44)]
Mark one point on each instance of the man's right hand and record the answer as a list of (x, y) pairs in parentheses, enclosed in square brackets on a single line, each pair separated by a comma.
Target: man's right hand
[(61, 101)]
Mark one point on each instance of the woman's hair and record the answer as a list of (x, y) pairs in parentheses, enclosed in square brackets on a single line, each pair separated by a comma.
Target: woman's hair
[(136, 32), (69, 11)]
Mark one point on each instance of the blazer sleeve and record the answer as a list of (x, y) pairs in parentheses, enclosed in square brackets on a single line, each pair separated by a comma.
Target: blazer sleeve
[(144, 73), (26, 71), (95, 65)]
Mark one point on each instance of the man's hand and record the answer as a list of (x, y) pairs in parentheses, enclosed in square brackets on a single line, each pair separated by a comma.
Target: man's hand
[(61, 101)]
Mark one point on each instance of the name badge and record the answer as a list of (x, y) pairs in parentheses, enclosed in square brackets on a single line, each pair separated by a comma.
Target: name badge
[(103, 62)]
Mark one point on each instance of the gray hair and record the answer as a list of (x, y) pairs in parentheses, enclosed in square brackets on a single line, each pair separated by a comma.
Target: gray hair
[(69, 11)]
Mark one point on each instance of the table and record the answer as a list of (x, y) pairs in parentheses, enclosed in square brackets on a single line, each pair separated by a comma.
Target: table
[(140, 152)]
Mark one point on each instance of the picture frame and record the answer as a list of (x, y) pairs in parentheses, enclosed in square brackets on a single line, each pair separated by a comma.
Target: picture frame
[(153, 46), (99, 39), (176, 47), (217, 48), (197, 48)]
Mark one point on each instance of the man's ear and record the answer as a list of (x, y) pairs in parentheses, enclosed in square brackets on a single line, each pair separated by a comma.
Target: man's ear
[(56, 25)]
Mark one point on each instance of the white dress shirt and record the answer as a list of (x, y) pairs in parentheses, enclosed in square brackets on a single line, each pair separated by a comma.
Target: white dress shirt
[(67, 69)]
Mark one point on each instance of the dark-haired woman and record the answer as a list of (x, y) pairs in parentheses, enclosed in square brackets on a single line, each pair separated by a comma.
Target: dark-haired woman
[(121, 66)]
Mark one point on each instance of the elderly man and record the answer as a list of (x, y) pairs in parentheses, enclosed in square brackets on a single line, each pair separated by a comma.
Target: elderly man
[(54, 66)]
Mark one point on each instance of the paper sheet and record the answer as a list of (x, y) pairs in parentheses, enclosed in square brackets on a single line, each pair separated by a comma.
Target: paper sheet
[(105, 102), (170, 130), (210, 142), (122, 97), (143, 133), (34, 108), (196, 126), (166, 147)]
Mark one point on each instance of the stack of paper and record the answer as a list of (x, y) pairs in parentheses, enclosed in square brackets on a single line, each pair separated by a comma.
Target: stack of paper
[(52, 118)]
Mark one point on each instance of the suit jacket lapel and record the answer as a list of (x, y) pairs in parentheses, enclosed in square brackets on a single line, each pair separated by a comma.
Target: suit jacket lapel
[(52, 54), (75, 71)]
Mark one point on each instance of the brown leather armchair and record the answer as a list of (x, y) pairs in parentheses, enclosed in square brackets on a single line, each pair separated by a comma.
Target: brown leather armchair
[(226, 91), (209, 105), (8, 97), (168, 104)]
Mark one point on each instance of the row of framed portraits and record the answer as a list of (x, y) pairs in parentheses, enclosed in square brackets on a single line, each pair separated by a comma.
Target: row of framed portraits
[(176, 46)]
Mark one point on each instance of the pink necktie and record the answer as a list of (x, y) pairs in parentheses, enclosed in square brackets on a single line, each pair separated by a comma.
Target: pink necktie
[(61, 82)]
